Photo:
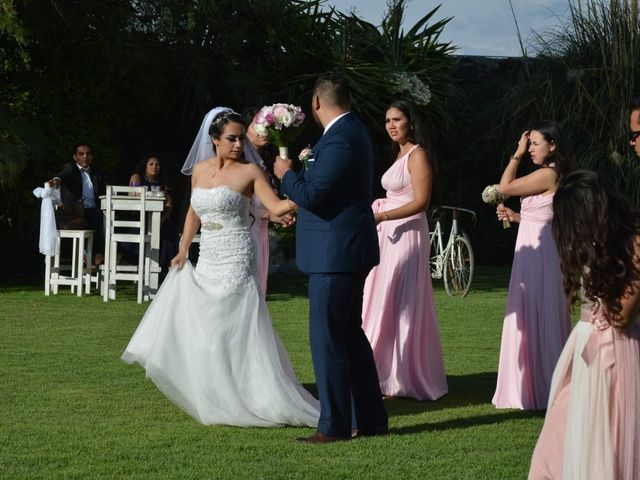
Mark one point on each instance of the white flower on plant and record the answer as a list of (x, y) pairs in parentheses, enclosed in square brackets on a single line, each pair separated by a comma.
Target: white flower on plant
[(409, 84)]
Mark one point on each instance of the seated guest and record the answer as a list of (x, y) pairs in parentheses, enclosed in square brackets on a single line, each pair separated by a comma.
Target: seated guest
[(80, 185), (149, 173)]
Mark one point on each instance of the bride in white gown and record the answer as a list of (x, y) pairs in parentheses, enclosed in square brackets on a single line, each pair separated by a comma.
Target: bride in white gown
[(207, 340)]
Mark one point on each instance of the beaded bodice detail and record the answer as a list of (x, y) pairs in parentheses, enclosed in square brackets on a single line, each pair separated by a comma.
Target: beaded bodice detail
[(226, 252)]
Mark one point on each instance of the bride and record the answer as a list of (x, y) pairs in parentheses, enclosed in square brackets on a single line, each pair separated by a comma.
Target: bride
[(207, 340)]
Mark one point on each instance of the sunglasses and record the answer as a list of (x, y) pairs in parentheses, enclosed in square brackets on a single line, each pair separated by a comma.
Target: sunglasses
[(633, 135)]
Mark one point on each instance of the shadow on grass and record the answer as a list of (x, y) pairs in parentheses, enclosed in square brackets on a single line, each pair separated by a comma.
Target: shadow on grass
[(466, 422), (490, 279), (287, 286), (464, 391), (21, 283)]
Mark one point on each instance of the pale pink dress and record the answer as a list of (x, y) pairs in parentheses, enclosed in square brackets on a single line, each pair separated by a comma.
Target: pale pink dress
[(537, 320), (592, 427), (398, 313), (260, 235)]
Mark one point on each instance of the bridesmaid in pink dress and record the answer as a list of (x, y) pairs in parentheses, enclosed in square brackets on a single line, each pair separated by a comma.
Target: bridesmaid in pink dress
[(398, 313), (592, 427), (537, 320)]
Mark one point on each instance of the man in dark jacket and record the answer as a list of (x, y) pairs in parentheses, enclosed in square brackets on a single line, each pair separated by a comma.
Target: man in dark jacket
[(337, 245), (80, 185)]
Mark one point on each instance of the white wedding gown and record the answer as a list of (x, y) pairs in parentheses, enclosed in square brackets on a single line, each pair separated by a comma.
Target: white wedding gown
[(207, 340)]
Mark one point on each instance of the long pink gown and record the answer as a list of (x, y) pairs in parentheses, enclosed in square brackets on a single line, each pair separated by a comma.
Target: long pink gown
[(592, 427), (260, 235), (537, 320), (398, 313)]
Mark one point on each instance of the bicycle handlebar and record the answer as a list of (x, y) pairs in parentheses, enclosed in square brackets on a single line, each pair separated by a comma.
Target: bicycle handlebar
[(459, 209)]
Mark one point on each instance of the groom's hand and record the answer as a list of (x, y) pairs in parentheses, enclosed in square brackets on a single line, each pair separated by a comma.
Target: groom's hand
[(281, 166)]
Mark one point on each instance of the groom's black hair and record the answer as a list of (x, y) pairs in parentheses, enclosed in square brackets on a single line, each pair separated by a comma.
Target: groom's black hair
[(333, 87)]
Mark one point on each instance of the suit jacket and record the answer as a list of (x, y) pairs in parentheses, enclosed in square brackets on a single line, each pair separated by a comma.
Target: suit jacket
[(71, 183), (335, 228)]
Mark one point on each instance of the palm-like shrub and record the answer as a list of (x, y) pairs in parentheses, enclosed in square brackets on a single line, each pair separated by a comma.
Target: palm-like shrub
[(375, 59), (585, 74)]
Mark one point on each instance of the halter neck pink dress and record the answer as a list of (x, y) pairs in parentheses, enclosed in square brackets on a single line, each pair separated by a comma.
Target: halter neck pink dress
[(537, 320), (398, 313)]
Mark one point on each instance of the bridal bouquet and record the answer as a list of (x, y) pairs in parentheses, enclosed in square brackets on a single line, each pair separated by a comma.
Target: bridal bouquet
[(276, 122), (492, 196)]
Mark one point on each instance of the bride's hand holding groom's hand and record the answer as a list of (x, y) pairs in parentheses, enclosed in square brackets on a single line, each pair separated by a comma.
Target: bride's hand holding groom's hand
[(285, 220)]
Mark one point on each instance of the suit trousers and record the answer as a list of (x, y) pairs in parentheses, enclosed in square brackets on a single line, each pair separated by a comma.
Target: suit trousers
[(343, 361)]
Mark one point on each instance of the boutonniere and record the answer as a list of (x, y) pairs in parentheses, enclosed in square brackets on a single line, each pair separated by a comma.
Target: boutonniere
[(305, 155)]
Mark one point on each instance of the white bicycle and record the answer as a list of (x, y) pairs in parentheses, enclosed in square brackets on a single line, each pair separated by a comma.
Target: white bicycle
[(454, 261)]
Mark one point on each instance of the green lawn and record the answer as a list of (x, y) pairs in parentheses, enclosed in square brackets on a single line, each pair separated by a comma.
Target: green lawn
[(69, 408)]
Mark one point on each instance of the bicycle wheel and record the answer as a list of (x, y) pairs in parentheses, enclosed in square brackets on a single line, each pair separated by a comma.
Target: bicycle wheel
[(458, 266)]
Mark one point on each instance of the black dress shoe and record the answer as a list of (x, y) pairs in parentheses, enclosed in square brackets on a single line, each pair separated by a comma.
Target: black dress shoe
[(320, 437), (369, 432)]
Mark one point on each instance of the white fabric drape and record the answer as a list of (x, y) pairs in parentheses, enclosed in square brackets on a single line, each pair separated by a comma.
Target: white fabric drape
[(50, 197)]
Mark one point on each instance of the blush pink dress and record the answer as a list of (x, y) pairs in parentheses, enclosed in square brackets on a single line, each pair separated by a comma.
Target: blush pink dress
[(398, 313), (537, 320), (592, 427)]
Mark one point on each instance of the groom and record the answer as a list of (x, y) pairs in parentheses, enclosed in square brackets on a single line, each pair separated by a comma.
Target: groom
[(337, 245)]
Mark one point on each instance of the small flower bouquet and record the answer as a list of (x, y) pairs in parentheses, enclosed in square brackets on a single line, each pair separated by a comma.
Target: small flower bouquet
[(305, 155), (492, 196), (276, 122)]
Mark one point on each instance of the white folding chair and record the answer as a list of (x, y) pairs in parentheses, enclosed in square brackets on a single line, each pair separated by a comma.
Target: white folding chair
[(78, 273), (132, 229)]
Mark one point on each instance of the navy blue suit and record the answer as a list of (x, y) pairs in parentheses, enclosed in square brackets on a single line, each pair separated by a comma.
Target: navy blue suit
[(337, 245)]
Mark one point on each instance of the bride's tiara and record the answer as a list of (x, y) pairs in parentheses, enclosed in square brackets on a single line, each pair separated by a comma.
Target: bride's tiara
[(221, 117)]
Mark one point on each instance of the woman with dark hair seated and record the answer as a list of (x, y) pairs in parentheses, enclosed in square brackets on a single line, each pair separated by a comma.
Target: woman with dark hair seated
[(149, 173)]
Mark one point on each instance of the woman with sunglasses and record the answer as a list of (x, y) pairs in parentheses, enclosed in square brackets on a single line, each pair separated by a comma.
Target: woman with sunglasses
[(207, 340), (536, 322)]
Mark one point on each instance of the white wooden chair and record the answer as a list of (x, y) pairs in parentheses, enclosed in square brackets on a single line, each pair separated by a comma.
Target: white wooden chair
[(78, 273), (132, 229)]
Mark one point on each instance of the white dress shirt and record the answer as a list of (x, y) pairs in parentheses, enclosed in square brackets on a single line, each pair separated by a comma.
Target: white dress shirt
[(88, 195)]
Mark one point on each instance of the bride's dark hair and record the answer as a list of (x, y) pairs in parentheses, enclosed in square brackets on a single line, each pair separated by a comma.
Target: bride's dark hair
[(596, 229), (223, 118)]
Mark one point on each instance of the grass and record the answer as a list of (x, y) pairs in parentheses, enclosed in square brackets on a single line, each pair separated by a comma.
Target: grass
[(69, 408)]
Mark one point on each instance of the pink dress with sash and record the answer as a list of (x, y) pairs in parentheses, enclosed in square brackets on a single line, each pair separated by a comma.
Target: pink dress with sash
[(592, 427), (398, 313), (537, 321)]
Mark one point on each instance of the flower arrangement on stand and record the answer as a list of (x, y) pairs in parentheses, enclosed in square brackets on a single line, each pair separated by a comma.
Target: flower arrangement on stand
[(276, 122)]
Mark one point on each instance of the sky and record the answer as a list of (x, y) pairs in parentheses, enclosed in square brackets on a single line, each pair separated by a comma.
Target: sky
[(478, 27)]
